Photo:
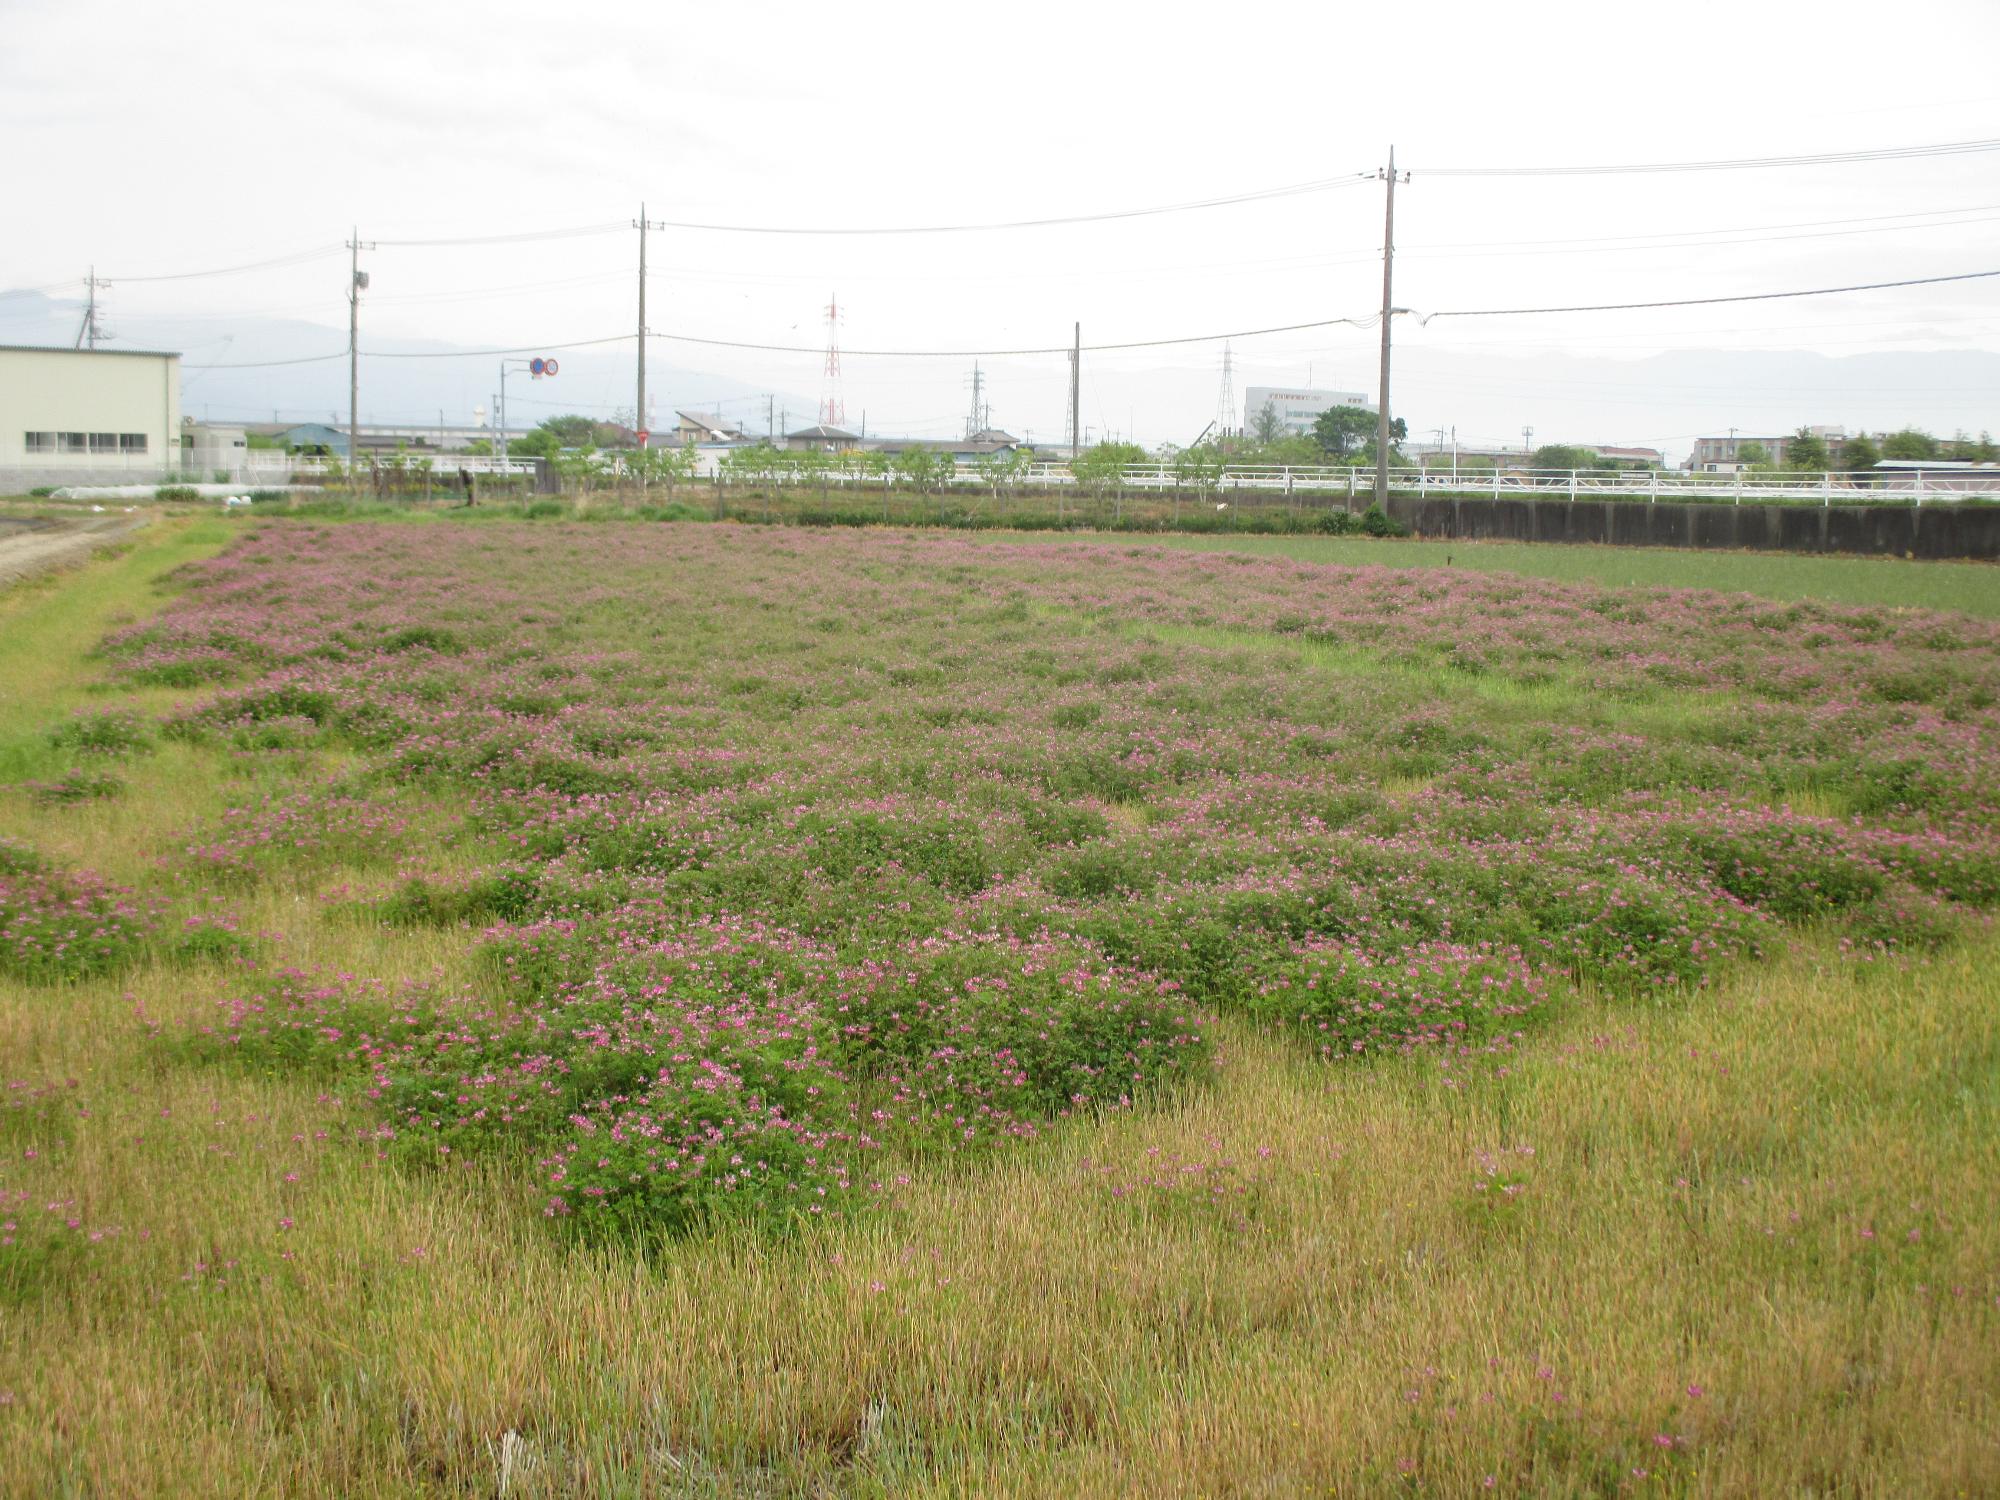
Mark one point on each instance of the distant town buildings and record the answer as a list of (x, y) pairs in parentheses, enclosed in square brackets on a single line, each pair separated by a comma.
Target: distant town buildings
[(1295, 407)]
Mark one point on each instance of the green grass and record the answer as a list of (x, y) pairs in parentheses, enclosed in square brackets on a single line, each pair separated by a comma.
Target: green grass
[(1969, 587), (49, 622)]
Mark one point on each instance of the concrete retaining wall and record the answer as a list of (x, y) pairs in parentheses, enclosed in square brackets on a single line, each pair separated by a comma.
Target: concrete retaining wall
[(1933, 531)]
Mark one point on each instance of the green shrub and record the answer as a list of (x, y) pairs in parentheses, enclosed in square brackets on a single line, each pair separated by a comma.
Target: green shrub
[(102, 734), (76, 786), (1378, 522)]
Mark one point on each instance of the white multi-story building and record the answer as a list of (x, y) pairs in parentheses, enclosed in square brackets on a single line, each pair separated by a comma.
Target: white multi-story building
[(1295, 407), (1721, 455), (87, 416)]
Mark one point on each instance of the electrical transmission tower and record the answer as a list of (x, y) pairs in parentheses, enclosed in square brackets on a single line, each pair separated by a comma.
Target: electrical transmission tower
[(1225, 400), (980, 418), (832, 408)]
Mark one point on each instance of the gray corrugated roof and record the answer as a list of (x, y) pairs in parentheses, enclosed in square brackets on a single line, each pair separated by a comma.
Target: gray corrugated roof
[(58, 349)]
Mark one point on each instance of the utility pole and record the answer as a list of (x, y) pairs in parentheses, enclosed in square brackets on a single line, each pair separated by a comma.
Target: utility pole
[(770, 418), (1076, 392), (1388, 312), (639, 421), (86, 336), (1225, 403), (1527, 440), (357, 283)]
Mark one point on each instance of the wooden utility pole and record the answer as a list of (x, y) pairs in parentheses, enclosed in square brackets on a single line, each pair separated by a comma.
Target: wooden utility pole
[(1076, 392), (1388, 311)]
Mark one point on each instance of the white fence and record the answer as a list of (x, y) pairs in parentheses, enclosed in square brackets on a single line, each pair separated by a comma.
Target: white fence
[(443, 465), (1552, 484)]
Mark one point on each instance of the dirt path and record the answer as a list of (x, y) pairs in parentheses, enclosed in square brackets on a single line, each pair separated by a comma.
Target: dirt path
[(28, 548)]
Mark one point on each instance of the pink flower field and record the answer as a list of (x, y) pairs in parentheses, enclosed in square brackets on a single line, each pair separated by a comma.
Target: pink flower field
[(797, 863)]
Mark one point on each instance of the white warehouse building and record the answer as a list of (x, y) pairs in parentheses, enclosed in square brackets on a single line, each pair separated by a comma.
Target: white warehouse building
[(87, 416), (1295, 407)]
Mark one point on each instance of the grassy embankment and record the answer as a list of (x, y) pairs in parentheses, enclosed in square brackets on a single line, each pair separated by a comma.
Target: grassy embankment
[(1738, 1242)]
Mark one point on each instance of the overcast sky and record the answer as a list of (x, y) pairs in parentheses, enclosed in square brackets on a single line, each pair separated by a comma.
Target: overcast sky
[(151, 141)]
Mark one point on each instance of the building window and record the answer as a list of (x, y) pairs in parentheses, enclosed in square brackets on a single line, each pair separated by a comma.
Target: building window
[(72, 442), (131, 442), (41, 442), (104, 442)]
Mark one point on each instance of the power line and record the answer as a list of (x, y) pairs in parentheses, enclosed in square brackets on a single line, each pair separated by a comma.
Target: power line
[(266, 364), (1191, 338), (1820, 291), (1738, 164), (272, 364), (1261, 195), (580, 231), (297, 258), (1696, 239)]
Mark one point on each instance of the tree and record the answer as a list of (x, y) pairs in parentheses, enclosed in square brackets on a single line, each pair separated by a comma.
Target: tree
[(1563, 456), (1807, 452), (1103, 467), (1344, 431), (1003, 468), (865, 463), (1909, 443), (579, 467), (1752, 454), (1202, 467), (749, 465), (1859, 455), (667, 466), (923, 467), (1267, 426), (1298, 451)]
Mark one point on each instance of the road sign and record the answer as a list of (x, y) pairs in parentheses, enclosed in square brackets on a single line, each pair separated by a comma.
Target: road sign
[(537, 365), (643, 435), (548, 367)]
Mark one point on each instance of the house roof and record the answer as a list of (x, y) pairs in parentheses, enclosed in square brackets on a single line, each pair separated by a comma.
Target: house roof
[(58, 349), (821, 432), (709, 422), (975, 446)]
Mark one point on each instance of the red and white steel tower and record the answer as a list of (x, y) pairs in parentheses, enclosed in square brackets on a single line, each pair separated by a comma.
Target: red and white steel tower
[(832, 409)]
